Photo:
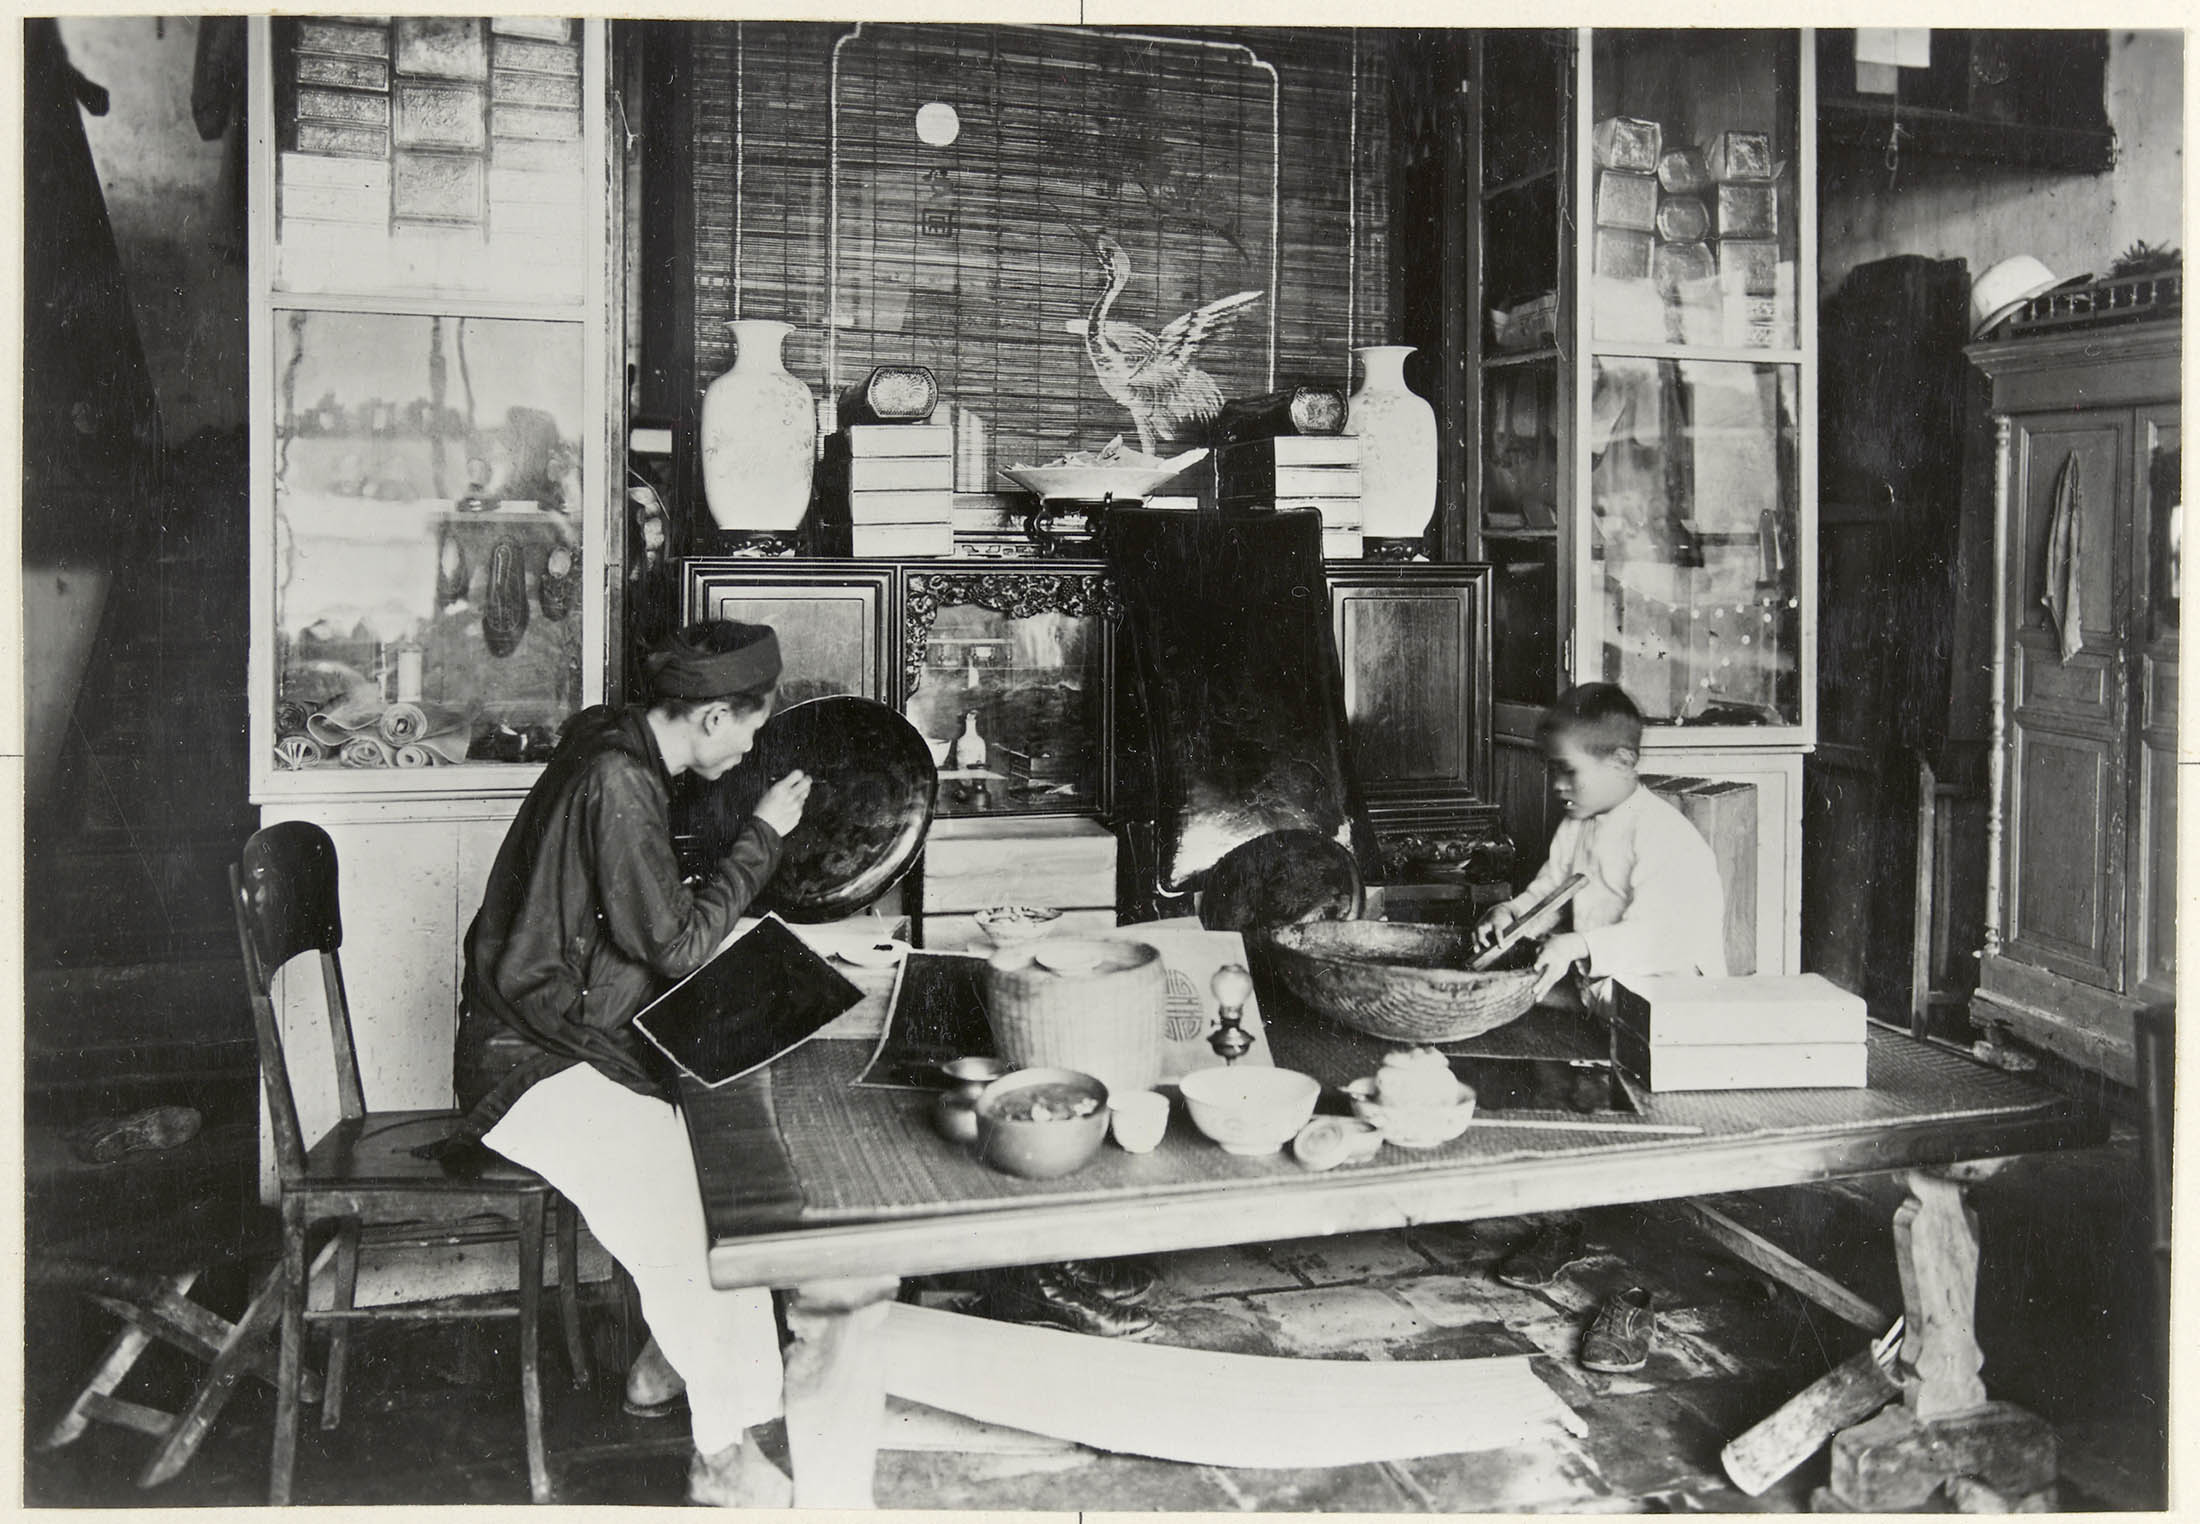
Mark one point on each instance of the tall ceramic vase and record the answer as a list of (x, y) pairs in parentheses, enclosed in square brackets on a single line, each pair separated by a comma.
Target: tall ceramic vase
[(759, 435), (1397, 432)]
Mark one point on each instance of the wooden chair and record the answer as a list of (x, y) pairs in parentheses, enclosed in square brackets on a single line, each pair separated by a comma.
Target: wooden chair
[(362, 1180)]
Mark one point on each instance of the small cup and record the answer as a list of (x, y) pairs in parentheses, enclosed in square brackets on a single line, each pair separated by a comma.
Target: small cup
[(1138, 1118)]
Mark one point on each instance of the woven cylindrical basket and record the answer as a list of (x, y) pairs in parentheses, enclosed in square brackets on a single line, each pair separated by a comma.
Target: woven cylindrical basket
[(1406, 982), (1104, 1020)]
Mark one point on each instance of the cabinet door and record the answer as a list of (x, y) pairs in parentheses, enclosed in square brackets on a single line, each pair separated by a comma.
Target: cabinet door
[(2157, 525), (1413, 644), (2066, 811)]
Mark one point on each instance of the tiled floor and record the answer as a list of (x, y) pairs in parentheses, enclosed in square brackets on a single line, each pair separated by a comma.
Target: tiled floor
[(432, 1416)]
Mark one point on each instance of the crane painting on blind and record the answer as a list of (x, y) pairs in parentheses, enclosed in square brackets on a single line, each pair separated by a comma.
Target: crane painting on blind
[(1153, 375)]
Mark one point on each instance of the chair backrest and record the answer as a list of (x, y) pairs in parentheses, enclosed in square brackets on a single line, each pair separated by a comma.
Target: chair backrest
[(283, 889)]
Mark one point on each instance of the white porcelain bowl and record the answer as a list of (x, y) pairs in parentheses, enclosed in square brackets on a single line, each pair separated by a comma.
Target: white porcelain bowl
[(1249, 1109), (1429, 1126), (1006, 924)]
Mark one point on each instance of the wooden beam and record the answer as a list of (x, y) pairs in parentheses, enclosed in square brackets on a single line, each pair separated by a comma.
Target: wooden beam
[(1754, 1249)]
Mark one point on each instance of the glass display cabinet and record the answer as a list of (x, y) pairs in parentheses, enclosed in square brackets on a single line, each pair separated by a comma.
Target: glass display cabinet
[(428, 375), (432, 463), (1642, 205)]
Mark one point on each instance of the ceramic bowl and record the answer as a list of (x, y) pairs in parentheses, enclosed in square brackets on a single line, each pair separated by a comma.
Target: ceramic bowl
[(1128, 481), (1249, 1109), (1412, 1126), (1041, 1148), (1004, 924)]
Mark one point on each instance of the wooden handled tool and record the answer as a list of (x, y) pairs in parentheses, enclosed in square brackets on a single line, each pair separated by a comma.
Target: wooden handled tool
[(1550, 904), (1849, 1393)]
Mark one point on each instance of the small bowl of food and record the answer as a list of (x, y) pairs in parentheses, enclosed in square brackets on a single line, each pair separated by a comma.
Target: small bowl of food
[(1007, 924), (1249, 1109), (1041, 1123)]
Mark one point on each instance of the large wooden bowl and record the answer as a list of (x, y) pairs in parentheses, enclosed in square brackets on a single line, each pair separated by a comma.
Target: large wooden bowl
[(1397, 980)]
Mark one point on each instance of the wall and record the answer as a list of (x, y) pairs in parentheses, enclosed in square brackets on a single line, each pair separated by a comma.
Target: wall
[(170, 197), (2075, 224)]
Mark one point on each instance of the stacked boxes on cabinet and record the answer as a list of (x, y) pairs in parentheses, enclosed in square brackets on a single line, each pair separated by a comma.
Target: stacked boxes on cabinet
[(1318, 471), (901, 489)]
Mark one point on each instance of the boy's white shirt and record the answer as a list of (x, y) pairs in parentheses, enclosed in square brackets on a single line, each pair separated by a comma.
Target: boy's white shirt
[(1653, 903)]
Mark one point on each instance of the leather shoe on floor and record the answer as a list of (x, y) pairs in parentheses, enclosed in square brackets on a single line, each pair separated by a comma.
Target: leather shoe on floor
[(1618, 1339), (1125, 1282), (105, 1141), (1549, 1250), (1045, 1297)]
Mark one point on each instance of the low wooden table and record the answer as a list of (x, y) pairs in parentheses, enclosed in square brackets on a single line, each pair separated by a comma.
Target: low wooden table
[(838, 1192)]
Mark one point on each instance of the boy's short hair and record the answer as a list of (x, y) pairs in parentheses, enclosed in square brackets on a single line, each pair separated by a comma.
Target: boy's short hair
[(1599, 717)]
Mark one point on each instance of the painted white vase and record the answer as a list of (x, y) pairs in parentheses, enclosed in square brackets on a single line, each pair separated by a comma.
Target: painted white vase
[(1397, 433), (759, 435)]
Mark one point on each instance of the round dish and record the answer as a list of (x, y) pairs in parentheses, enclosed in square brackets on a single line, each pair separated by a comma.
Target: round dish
[(1412, 1126), (872, 785), (881, 954), (1097, 484)]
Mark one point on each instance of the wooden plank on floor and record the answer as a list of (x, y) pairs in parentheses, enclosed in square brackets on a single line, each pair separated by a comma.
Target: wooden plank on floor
[(1759, 1251), (1215, 1409)]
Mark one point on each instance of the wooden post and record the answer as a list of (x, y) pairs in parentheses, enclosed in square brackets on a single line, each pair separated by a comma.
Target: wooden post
[(1936, 1251), (836, 1388), (1945, 1431)]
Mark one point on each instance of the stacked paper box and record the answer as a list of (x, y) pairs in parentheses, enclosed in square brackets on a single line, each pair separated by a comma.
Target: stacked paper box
[(901, 489), (1758, 1032), (1318, 471)]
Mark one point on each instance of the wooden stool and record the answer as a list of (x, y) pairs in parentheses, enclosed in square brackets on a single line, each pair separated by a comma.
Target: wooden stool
[(158, 1307)]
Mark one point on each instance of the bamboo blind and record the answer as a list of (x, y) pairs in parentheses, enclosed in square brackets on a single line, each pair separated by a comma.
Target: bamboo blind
[(1223, 162)]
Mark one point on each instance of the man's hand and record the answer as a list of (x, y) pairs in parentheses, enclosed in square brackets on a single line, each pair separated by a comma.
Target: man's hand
[(782, 805), (1492, 926), (1558, 954)]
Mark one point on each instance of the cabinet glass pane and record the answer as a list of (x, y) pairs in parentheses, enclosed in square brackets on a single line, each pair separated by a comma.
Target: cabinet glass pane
[(430, 154), (1523, 73), (1693, 201), (1520, 527), (1694, 596), (427, 539)]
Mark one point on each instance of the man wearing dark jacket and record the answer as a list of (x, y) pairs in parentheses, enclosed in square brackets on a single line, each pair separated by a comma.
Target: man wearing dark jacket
[(585, 919)]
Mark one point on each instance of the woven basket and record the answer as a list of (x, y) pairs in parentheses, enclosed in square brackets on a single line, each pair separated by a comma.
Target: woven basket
[(1105, 1020), (1405, 982)]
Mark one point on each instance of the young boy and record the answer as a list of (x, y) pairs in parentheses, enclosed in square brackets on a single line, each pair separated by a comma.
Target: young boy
[(1653, 903)]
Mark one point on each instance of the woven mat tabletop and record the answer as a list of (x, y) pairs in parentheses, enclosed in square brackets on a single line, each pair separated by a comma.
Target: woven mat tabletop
[(801, 1144)]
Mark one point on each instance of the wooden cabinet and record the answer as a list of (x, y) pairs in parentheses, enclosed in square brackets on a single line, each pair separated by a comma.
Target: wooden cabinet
[(1638, 206), (434, 458), (2081, 894), (1413, 649)]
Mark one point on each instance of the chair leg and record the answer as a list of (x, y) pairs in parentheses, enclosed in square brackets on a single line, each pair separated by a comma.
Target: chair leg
[(531, 1232), (241, 1351), (284, 1457), (568, 1219), (345, 1286)]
